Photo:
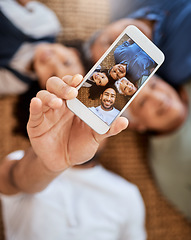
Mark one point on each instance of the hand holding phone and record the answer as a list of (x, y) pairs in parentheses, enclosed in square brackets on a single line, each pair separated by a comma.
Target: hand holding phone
[(115, 80)]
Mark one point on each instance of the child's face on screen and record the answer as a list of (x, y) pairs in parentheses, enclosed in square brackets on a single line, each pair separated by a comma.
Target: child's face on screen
[(56, 60), (100, 78)]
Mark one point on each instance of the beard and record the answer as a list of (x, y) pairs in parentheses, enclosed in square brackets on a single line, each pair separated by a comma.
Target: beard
[(106, 108)]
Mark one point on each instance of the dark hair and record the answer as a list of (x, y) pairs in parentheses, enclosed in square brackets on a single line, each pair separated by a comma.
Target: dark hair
[(21, 109), (21, 106), (95, 91)]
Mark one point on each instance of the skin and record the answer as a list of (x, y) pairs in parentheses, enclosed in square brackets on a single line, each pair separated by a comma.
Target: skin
[(127, 88), (56, 60), (118, 71), (23, 2), (112, 31), (100, 78), (56, 136), (158, 107), (108, 99)]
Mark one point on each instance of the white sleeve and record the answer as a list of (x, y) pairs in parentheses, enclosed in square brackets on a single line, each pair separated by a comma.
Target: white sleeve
[(134, 228), (9, 84)]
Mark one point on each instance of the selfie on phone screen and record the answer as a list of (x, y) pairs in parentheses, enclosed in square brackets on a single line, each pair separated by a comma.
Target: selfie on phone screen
[(116, 79)]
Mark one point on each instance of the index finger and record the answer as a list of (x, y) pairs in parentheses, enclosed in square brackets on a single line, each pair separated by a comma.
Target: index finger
[(62, 87)]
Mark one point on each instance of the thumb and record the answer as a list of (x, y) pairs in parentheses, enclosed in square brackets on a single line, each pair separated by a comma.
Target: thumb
[(117, 126)]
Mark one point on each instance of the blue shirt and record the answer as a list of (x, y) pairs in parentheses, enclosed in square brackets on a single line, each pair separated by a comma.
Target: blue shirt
[(172, 35), (138, 62)]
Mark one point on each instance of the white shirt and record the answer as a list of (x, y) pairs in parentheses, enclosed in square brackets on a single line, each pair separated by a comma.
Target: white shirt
[(106, 116), (80, 204)]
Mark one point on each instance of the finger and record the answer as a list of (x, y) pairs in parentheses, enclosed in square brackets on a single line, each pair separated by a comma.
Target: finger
[(49, 100), (36, 114), (117, 126), (73, 81), (60, 88)]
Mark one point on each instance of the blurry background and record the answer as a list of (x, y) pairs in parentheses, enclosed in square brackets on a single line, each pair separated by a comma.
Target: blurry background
[(125, 154)]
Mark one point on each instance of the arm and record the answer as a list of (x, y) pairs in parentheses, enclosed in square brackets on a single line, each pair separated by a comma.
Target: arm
[(59, 139)]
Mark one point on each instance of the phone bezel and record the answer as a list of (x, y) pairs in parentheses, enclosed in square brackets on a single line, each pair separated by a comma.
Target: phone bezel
[(77, 107)]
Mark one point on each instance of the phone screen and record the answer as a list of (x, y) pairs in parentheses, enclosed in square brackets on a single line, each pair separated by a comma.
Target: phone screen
[(115, 79)]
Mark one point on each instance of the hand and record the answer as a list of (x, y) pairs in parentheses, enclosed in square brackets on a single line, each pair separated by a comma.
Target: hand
[(58, 137)]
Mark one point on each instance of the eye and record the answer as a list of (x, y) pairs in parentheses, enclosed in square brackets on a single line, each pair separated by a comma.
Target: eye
[(142, 102), (67, 63), (153, 85)]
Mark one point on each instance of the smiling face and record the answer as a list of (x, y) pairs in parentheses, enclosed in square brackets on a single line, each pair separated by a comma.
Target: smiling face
[(118, 71), (157, 107), (56, 60), (108, 99), (100, 78), (127, 87)]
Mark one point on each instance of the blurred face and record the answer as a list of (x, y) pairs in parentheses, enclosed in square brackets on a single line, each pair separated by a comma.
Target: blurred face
[(56, 60), (100, 78), (108, 99), (127, 88), (118, 71), (112, 31), (158, 106)]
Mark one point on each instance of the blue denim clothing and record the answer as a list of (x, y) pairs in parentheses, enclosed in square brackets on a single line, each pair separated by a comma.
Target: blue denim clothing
[(173, 36), (138, 62)]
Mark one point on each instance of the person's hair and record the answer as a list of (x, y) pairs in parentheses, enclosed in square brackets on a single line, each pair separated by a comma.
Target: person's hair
[(79, 46), (95, 91), (88, 44), (21, 107)]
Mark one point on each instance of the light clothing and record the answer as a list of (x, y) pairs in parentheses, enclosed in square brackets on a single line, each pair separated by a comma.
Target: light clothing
[(91, 203), (170, 160), (21, 30), (106, 116)]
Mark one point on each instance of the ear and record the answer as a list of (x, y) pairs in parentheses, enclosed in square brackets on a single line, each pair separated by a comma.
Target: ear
[(100, 97)]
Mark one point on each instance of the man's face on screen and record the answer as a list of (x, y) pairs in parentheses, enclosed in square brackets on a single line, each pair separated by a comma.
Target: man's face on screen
[(108, 99)]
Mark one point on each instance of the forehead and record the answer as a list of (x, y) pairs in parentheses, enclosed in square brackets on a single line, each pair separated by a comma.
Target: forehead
[(115, 66), (109, 91), (101, 73)]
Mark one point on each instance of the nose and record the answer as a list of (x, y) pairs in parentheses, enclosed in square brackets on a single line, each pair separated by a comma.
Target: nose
[(157, 97), (109, 98)]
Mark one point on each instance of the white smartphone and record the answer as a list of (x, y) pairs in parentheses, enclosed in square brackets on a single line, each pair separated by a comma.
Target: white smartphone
[(115, 80)]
